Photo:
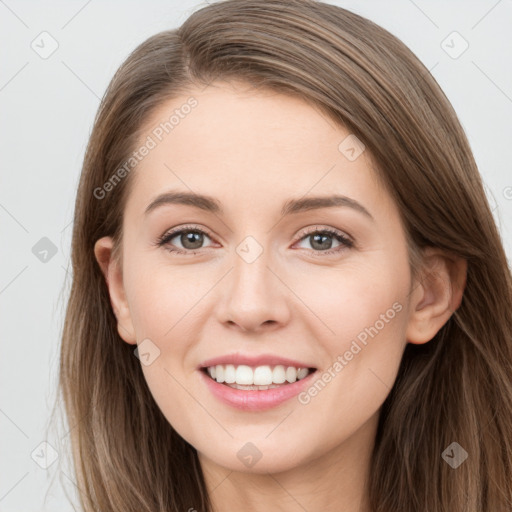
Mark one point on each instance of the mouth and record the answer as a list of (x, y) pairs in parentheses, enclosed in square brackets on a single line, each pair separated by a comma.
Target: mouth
[(256, 378), (255, 388)]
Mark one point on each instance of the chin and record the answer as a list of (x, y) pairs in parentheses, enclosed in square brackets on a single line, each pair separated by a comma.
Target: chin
[(268, 463), (251, 454)]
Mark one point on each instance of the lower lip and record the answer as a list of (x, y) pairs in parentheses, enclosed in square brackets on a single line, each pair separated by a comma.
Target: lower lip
[(254, 400)]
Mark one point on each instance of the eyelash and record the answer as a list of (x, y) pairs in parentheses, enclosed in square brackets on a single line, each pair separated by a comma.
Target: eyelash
[(344, 240)]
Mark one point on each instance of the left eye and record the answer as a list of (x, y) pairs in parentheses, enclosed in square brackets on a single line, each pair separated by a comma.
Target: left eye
[(322, 241)]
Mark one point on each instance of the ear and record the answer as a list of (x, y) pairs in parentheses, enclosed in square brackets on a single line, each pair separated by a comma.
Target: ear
[(436, 294), (114, 279)]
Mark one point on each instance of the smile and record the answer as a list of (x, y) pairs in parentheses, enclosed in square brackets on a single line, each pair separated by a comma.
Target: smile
[(256, 378), (282, 383)]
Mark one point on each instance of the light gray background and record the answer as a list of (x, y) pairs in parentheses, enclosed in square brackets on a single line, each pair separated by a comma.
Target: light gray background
[(47, 110)]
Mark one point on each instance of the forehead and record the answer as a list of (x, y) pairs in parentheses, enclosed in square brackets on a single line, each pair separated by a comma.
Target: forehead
[(249, 148)]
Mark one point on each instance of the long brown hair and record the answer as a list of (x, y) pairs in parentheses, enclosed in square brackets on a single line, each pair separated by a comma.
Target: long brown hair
[(456, 388)]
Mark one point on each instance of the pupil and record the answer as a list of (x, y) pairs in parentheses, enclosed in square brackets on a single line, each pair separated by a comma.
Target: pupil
[(322, 245), (192, 240)]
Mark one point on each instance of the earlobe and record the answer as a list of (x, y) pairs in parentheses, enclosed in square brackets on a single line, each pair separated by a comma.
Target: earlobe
[(114, 280), (437, 294)]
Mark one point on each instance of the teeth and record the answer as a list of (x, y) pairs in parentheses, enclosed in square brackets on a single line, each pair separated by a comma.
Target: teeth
[(229, 374), (279, 374), (260, 377), (254, 388), (301, 373), (244, 375), (291, 374)]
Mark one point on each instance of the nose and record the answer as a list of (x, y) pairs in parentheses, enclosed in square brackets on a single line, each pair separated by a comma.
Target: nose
[(254, 296)]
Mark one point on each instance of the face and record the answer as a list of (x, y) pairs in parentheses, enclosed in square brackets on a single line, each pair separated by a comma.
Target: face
[(267, 273)]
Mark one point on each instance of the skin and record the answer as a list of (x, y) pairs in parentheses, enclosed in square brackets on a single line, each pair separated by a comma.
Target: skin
[(254, 150)]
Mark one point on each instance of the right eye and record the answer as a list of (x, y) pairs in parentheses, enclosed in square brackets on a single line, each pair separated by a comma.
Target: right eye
[(191, 239)]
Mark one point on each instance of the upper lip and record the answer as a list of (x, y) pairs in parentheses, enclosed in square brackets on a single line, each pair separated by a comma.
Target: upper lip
[(260, 360)]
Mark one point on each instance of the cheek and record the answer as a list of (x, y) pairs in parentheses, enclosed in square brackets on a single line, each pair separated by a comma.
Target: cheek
[(351, 298), (161, 296), (365, 311), (362, 330), (162, 307)]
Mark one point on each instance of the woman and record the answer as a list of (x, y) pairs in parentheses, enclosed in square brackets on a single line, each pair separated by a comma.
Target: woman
[(288, 288)]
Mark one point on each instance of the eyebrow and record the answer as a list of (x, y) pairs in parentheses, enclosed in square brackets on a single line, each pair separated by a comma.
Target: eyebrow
[(291, 206)]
